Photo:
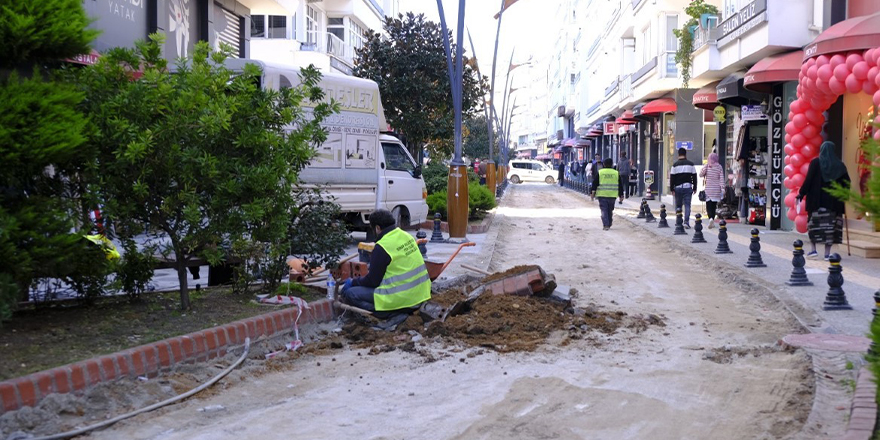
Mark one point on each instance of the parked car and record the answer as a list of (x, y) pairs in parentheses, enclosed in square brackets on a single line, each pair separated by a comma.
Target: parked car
[(527, 170)]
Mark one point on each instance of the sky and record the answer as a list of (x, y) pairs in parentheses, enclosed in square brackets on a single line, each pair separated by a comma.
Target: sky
[(526, 27)]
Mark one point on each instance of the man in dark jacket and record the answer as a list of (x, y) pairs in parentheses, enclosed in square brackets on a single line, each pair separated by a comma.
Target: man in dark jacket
[(595, 166), (683, 181), (623, 169), (561, 176)]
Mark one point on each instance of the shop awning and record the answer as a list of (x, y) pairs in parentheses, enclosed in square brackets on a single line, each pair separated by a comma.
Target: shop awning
[(543, 157), (775, 69), (731, 91), (657, 107), (553, 142), (626, 118), (707, 97), (576, 142), (857, 33)]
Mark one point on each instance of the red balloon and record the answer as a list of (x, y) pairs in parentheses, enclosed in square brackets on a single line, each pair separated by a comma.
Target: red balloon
[(872, 74), (787, 159), (860, 70), (789, 150), (801, 223), (798, 140), (836, 86), (808, 150), (841, 72), (797, 160), (821, 86), (869, 87), (790, 198), (824, 72), (804, 168), (812, 71), (853, 59), (869, 57), (791, 129), (788, 183), (853, 85), (837, 60), (809, 83), (815, 117), (787, 138), (822, 60), (800, 121), (815, 142), (797, 180), (792, 214), (877, 99), (797, 106), (789, 171), (810, 131)]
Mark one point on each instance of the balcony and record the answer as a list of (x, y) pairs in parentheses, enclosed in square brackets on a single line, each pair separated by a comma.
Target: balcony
[(327, 43)]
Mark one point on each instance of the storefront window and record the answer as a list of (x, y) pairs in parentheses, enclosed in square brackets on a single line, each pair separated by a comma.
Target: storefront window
[(268, 26)]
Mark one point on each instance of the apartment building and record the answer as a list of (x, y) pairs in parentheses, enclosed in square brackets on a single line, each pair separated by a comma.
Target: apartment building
[(325, 33), (528, 119)]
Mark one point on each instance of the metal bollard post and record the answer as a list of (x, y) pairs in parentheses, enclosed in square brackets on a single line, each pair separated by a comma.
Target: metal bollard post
[(649, 216), (642, 209), (679, 223), (755, 259), (663, 223), (798, 274), (423, 247), (698, 230), (722, 247), (835, 299), (437, 235)]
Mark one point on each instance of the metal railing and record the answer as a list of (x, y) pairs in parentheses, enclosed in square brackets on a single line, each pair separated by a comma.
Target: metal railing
[(330, 44)]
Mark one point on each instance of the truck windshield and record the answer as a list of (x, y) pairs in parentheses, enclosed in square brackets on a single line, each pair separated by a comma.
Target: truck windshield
[(396, 158)]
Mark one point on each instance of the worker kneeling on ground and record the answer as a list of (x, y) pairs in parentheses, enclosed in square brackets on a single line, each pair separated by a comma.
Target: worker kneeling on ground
[(398, 278)]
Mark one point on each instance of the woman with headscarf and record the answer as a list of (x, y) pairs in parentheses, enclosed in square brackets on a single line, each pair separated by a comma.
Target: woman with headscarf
[(713, 173), (825, 211)]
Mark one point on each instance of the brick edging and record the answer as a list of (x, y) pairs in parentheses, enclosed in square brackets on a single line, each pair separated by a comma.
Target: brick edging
[(151, 359), (481, 228), (863, 412)]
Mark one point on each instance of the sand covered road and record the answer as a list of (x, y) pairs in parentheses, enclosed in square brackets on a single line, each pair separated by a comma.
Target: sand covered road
[(713, 371)]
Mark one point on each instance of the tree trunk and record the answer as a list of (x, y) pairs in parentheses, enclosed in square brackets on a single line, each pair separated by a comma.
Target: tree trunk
[(184, 284)]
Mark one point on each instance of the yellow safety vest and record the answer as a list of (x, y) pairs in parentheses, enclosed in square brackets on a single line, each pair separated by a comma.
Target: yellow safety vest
[(106, 246), (608, 183), (406, 282)]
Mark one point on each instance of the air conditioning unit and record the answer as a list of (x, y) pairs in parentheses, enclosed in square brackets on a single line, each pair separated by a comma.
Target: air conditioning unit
[(560, 112)]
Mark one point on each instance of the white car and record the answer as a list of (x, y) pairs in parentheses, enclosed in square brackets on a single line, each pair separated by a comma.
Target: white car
[(527, 170)]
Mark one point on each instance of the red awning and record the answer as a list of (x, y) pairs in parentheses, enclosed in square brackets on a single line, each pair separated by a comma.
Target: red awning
[(621, 121), (854, 34), (778, 68), (707, 96), (659, 106), (86, 59)]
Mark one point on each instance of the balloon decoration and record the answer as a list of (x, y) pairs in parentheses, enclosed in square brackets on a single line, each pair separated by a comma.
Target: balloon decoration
[(821, 80)]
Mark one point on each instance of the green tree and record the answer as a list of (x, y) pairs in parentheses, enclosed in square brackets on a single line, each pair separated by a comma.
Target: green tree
[(475, 142), (684, 54), (41, 144), (203, 156), (410, 67)]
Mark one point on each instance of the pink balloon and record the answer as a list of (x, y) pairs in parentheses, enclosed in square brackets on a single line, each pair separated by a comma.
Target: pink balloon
[(821, 86), (789, 150), (798, 140), (853, 85), (792, 214), (812, 72), (815, 142), (797, 160), (877, 99), (841, 72), (877, 135), (822, 60), (790, 198), (789, 171), (810, 62), (824, 72), (869, 87), (804, 168), (788, 183), (797, 106), (815, 117), (837, 60), (801, 223), (787, 159), (809, 83), (853, 59), (872, 74), (810, 131), (797, 180), (791, 129), (808, 150), (869, 57), (836, 86), (860, 70), (800, 121), (787, 138)]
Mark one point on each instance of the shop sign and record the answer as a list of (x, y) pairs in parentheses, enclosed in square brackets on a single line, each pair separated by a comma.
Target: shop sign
[(753, 113), (687, 145), (743, 21), (719, 113), (649, 178), (776, 160), (609, 128)]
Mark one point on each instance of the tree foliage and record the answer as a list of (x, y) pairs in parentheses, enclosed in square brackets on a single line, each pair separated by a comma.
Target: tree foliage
[(202, 156), (685, 35), (42, 149), (410, 68), (475, 141)]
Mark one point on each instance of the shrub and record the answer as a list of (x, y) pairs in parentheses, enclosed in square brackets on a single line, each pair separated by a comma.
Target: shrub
[(437, 203), (480, 200), (435, 175)]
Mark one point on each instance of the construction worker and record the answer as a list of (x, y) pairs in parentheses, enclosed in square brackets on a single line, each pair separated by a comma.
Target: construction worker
[(398, 278), (608, 186)]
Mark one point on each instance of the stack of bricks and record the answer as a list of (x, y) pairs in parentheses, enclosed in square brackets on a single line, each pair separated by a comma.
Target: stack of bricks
[(524, 284)]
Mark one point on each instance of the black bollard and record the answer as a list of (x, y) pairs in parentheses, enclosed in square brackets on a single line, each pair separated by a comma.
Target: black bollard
[(663, 223), (698, 230), (798, 274), (873, 351), (679, 223), (755, 259), (835, 299), (722, 247), (423, 247), (642, 208), (437, 235), (649, 216)]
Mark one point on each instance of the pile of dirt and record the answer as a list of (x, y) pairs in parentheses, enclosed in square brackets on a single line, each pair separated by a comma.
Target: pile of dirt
[(513, 271)]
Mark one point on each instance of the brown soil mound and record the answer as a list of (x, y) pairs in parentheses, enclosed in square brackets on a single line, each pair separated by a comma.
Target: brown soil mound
[(513, 271)]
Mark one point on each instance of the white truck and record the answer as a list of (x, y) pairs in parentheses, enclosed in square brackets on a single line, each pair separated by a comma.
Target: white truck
[(360, 167)]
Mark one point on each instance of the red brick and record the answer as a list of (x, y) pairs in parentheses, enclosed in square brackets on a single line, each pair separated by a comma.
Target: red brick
[(8, 397), (43, 383), (269, 324), (94, 371), (251, 328), (241, 331), (137, 363), (164, 354), (62, 380), (221, 337), (26, 391), (176, 347), (151, 358), (201, 345), (276, 320), (259, 325), (77, 377), (108, 368), (509, 286), (189, 348), (286, 319), (122, 365), (210, 340)]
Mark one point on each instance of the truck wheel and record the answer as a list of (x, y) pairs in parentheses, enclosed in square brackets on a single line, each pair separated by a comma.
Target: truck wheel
[(515, 179), (401, 216), (550, 180)]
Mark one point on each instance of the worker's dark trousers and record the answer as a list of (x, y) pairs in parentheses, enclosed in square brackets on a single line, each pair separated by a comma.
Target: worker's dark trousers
[(606, 204), (361, 297)]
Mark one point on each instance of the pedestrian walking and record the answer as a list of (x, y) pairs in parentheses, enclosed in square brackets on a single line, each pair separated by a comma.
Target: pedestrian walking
[(824, 211), (713, 175), (623, 167), (482, 168), (595, 166), (633, 177), (683, 181), (561, 176), (608, 187)]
